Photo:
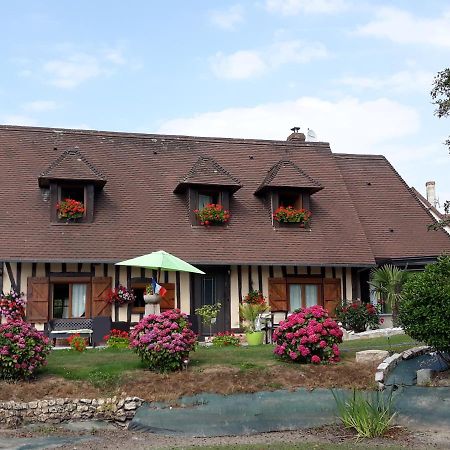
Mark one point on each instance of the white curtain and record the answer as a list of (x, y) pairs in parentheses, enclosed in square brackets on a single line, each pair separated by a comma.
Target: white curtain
[(78, 300), (295, 296), (311, 294)]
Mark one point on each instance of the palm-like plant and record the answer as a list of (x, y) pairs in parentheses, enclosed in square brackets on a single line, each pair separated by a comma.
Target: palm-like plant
[(387, 281)]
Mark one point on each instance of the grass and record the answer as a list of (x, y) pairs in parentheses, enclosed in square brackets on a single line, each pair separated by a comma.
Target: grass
[(99, 365)]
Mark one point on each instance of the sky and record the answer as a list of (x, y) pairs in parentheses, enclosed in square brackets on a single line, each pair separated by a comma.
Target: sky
[(357, 72)]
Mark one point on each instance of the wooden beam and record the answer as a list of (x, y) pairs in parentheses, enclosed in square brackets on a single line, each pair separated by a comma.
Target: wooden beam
[(333, 272), (19, 276), (284, 271), (260, 281), (178, 289), (1, 276), (142, 272), (63, 267), (105, 269), (80, 267), (47, 269), (308, 270), (239, 273), (270, 271), (33, 269), (322, 272), (11, 276), (250, 279), (344, 283), (116, 276)]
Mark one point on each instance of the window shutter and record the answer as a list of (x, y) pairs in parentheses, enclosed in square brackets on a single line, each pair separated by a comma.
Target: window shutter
[(278, 300), (100, 289), (37, 299), (331, 294), (168, 301)]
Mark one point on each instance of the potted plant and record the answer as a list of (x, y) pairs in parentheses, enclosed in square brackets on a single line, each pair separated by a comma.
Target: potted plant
[(70, 209), (212, 214), (208, 314), (289, 214), (151, 296), (250, 310)]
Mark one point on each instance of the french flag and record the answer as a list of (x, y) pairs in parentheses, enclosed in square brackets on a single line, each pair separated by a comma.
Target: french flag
[(158, 289)]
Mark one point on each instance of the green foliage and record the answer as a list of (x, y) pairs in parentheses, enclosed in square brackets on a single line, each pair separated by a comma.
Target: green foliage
[(425, 309), (369, 414), (104, 380), (208, 313), (226, 339), (387, 281)]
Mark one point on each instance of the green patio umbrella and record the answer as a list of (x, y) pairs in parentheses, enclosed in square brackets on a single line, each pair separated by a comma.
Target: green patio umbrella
[(161, 260)]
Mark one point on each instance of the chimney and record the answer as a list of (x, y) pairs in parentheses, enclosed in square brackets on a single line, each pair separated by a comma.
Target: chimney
[(431, 193), (295, 135)]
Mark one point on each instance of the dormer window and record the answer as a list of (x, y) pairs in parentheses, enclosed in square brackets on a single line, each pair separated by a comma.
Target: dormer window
[(288, 189), (73, 181), (207, 183)]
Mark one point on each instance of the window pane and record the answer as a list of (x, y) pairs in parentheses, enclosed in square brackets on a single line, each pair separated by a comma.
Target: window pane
[(295, 296), (204, 200), (60, 301), (312, 294), (78, 300), (209, 291)]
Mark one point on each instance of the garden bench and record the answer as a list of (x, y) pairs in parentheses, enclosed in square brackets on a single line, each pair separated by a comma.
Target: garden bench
[(93, 329)]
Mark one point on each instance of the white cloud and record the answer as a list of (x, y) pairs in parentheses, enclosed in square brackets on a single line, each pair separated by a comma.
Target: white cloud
[(40, 106), (227, 19), (17, 119), (403, 81), (294, 7), (349, 124), (78, 67), (403, 27), (250, 63)]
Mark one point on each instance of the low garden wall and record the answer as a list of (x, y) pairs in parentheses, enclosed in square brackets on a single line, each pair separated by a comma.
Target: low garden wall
[(118, 410)]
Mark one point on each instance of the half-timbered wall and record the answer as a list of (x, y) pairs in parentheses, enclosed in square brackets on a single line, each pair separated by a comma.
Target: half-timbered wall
[(243, 278)]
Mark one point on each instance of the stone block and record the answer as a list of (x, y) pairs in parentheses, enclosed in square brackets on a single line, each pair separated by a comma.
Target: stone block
[(379, 376), (424, 377), (371, 356)]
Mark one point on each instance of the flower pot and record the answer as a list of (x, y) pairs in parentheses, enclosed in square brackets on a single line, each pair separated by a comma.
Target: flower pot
[(255, 338), (152, 299)]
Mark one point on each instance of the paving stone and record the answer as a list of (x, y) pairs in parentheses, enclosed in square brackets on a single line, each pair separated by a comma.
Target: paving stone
[(371, 356)]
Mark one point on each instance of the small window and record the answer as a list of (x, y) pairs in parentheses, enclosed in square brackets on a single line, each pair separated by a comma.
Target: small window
[(205, 199), (303, 295), (200, 198), (139, 304), (290, 199), (69, 300), (72, 192)]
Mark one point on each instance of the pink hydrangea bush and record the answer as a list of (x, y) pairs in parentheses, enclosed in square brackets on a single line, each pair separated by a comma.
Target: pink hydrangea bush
[(164, 340), (23, 350), (12, 305), (308, 336)]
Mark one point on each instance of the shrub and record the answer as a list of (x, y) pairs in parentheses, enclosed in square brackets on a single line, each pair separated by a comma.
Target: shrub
[(12, 305), (117, 339), (359, 316), (164, 340), (23, 350), (308, 336), (77, 343), (369, 414), (425, 307), (226, 339)]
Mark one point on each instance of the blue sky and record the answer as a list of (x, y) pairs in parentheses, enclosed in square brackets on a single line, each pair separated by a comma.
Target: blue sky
[(356, 72)]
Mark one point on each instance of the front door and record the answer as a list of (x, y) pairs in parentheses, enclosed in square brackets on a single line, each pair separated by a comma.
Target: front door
[(210, 289)]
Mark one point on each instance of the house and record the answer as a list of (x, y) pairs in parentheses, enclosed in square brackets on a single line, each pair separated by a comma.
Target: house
[(140, 192)]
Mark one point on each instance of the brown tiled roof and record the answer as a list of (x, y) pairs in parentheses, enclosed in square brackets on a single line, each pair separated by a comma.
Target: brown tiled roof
[(286, 174), (427, 204), (71, 165), (138, 212), (206, 171), (395, 221)]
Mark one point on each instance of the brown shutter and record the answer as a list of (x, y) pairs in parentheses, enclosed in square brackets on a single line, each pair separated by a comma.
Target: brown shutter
[(278, 300), (37, 299), (331, 294), (100, 288), (168, 301)]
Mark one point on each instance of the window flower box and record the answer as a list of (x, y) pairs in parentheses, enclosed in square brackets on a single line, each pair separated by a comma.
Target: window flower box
[(290, 215), (212, 214), (69, 209)]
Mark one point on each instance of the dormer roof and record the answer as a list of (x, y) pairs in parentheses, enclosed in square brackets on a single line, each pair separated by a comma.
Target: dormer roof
[(71, 165), (208, 172), (286, 174)]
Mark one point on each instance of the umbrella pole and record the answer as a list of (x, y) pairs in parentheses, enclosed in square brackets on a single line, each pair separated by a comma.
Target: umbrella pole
[(159, 275)]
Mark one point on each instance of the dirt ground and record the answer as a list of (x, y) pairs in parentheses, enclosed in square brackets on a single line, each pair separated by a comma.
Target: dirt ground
[(217, 379), (120, 438)]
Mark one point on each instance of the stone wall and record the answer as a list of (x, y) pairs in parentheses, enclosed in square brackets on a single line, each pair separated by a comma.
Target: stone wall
[(118, 410)]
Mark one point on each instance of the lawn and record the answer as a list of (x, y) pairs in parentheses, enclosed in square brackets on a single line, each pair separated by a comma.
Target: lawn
[(99, 372)]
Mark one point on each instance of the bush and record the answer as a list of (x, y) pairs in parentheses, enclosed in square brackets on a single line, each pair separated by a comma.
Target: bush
[(359, 316), (77, 343), (23, 350), (226, 339), (308, 336), (117, 339), (370, 414), (425, 307), (163, 341)]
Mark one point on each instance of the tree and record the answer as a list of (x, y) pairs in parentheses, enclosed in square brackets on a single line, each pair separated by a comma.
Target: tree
[(440, 94), (425, 307), (387, 281)]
